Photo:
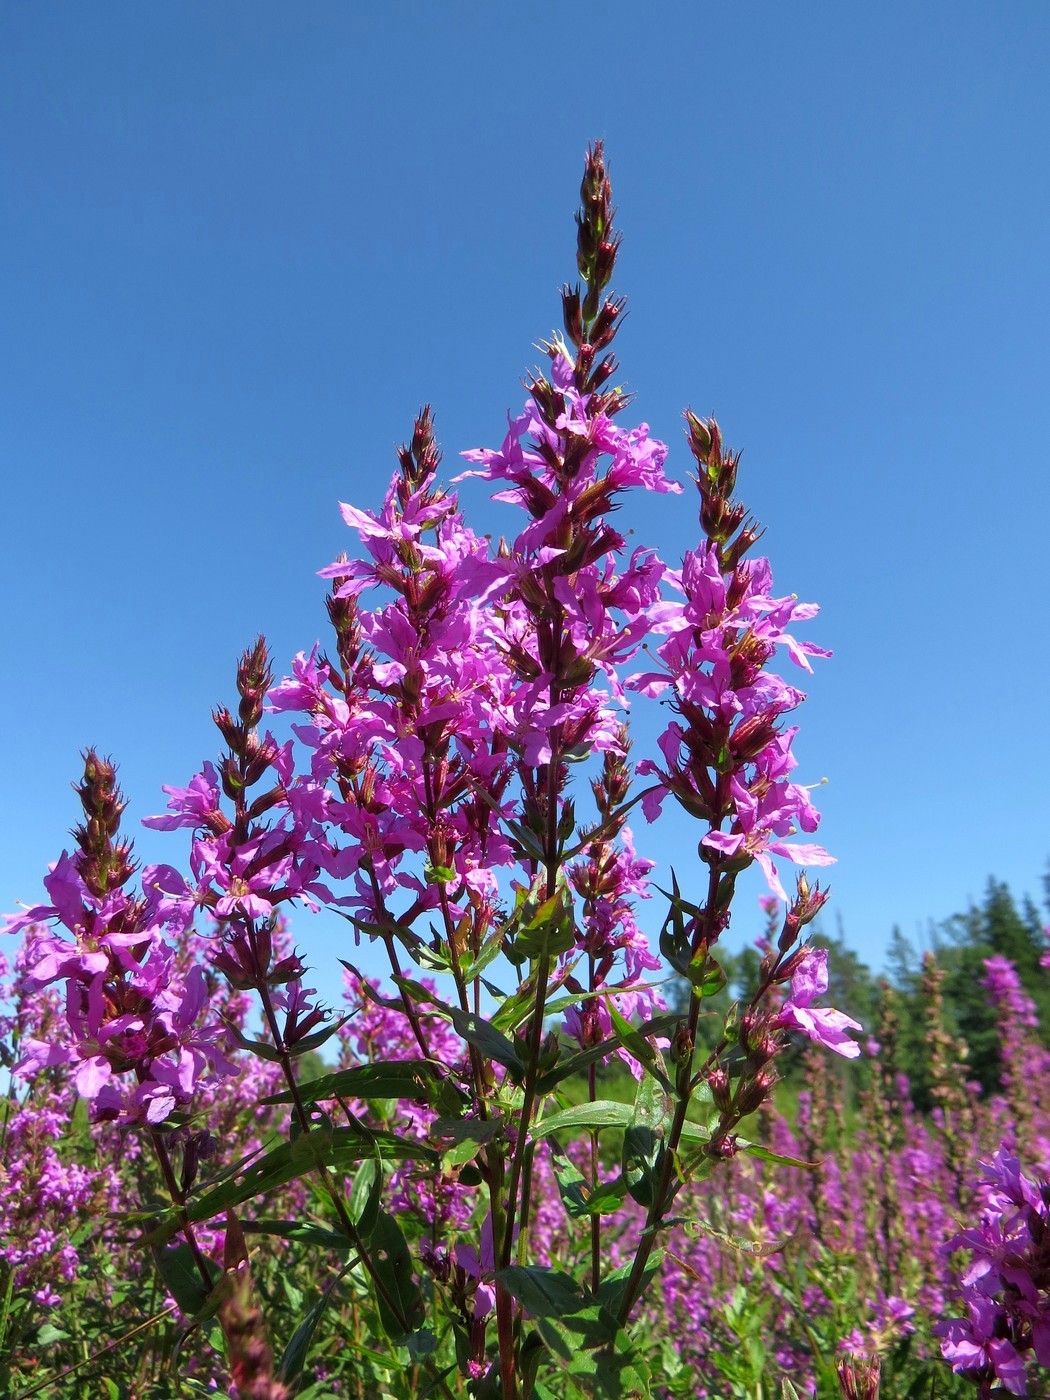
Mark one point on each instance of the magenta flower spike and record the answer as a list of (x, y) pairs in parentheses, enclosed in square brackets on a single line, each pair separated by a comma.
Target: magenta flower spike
[(138, 1038)]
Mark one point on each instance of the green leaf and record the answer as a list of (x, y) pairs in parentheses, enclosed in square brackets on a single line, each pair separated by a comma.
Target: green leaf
[(260, 1048), (420, 995), (529, 842), (299, 1230), (572, 1185), (545, 929), (612, 1287), (574, 998), (643, 1141), (532, 1353), (492, 1043), (737, 1242), (392, 1079), (678, 904), (621, 1370), (421, 1344), (180, 1275), (295, 1354), (516, 1009), (753, 1149), (596, 1355), (317, 1039), (636, 1044), (706, 976), (468, 1136), (340, 1149), (576, 1194), (49, 1333), (488, 953), (565, 1069), (475, 1030), (541, 1292), (607, 1197), (366, 1197), (602, 1113), (392, 1262)]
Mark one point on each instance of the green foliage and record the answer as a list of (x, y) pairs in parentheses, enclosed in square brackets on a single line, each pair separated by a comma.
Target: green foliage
[(343, 1330), (995, 928)]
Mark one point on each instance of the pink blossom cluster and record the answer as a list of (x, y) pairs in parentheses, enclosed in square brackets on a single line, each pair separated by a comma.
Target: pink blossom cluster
[(136, 1035), (720, 634), (249, 862), (1006, 1285), (44, 1196), (431, 800)]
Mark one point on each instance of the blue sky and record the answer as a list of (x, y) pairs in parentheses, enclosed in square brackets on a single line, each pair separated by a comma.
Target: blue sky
[(241, 245)]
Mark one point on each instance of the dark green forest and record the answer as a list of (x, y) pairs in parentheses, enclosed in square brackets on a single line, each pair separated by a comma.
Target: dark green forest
[(936, 988)]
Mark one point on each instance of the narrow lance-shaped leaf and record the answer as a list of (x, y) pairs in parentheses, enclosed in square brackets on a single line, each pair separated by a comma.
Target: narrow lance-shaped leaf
[(602, 1113), (643, 1141), (399, 1301), (391, 1079)]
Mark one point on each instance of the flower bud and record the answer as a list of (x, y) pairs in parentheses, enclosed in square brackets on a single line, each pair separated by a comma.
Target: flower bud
[(571, 313), (722, 1147), (681, 1046), (718, 1083), (753, 1092), (699, 435), (859, 1379)]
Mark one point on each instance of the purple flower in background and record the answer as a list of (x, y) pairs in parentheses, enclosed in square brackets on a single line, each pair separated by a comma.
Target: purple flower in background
[(1006, 1286)]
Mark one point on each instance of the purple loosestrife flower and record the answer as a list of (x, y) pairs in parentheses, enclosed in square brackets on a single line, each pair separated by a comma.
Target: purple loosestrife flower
[(820, 1024), (719, 639), (126, 1013), (1025, 1062), (247, 865), (401, 727), (44, 1197), (571, 610), (1006, 1287), (724, 755), (565, 612)]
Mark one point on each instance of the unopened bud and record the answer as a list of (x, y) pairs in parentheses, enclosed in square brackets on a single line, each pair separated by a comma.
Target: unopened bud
[(722, 1146), (699, 437), (809, 900), (753, 1092), (571, 313), (718, 1083), (681, 1046), (859, 1379)]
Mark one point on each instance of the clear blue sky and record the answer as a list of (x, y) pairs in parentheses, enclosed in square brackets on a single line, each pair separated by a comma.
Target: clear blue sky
[(240, 244)]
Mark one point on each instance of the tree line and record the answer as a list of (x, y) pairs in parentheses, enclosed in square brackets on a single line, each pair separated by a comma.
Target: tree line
[(1001, 925)]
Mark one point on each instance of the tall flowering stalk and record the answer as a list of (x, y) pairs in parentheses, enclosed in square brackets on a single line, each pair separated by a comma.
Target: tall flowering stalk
[(138, 1039), (140, 1036), (726, 760), (435, 800)]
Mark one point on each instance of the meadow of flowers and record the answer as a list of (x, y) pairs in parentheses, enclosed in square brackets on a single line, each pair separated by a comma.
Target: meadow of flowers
[(515, 1166)]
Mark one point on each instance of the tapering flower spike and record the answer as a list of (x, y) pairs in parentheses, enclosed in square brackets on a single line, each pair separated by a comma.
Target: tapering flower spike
[(137, 1035)]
